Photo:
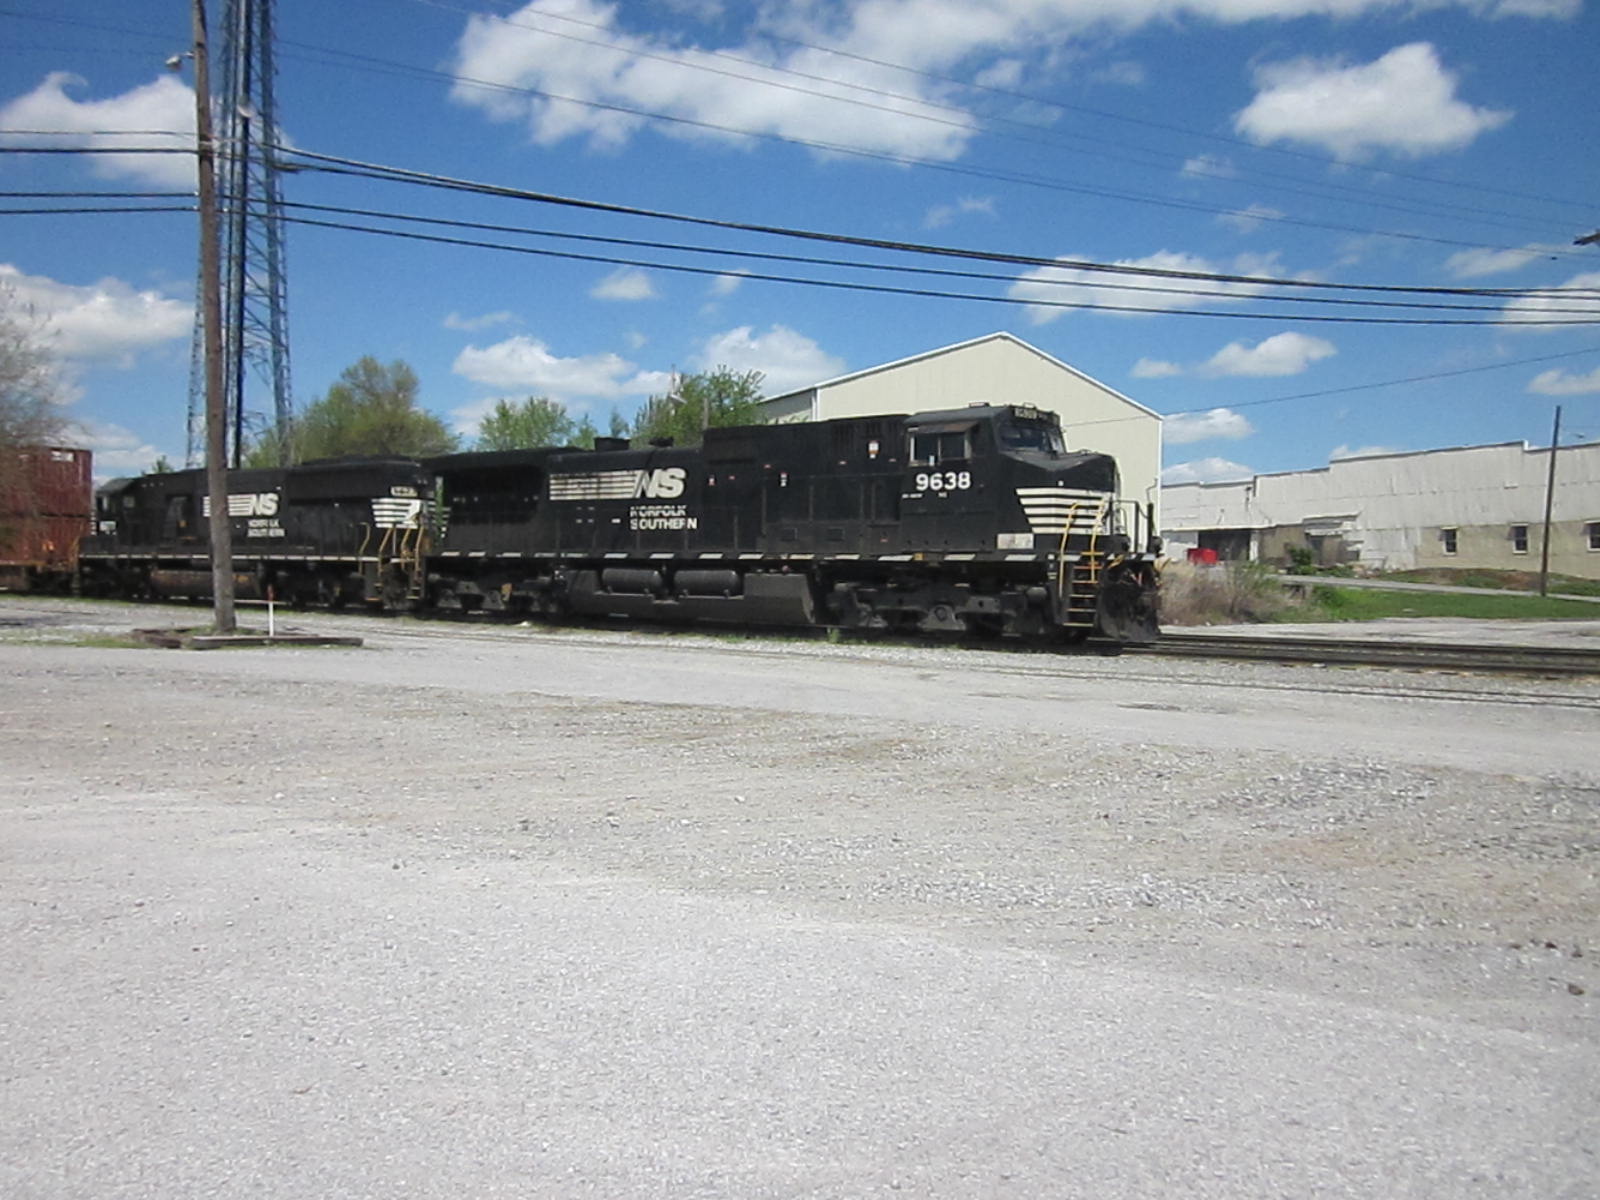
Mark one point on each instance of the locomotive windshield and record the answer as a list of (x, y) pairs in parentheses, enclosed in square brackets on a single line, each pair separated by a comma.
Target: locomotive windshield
[(1022, 434)]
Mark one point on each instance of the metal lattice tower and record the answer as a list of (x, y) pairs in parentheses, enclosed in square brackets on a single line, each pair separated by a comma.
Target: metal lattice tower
[(254, 283)]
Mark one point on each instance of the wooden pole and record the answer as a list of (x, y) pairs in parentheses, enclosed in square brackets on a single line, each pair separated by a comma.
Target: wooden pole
[(211, 315), (1549, 507)]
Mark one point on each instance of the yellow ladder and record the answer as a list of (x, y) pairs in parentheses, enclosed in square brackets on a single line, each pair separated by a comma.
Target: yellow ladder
[(1078, 584)]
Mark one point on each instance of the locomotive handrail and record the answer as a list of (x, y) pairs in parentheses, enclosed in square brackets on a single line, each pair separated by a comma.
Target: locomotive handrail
[(1095, 522)]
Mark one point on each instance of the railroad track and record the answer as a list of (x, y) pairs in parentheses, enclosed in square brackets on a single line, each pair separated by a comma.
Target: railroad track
[(1481, 657), (1478, 658)]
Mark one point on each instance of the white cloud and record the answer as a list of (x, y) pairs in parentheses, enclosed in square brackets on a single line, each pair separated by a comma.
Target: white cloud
[(1206, 470), (1003, 74), (787, 359), (726, 285), (1557, 382), (1343, 452), (1469, 264), (590, 60), (1072, 285), (1522, 312), (117, 451), (524, 364), (474, 324), (103, 321), (625, 283), (1280, 354), (1404, 102), (942, 214), (1125, 73), (1208, 166), (1560, 9), (571, 69), (1248, 220), (162, 107), (1155, 368), (1180, 429)]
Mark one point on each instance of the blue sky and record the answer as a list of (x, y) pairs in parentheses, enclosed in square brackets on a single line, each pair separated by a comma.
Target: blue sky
[(1427, 144)]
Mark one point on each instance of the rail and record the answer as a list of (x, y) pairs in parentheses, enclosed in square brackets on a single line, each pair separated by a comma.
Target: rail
[(1484, 657)]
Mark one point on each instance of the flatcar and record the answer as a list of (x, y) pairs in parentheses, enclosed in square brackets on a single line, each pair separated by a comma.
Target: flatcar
[(972, 520)]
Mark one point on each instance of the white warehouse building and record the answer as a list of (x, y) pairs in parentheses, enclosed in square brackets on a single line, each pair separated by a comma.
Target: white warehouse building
[(1472, 506), (997, 369)]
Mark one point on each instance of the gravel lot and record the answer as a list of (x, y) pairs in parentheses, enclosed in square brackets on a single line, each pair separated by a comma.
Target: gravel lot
[(477, 912)]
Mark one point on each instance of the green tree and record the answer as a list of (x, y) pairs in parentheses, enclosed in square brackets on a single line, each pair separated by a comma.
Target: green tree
[(161, 466), (30, 387), (720, 397), (371, 409), (536, 421), (30, 403)]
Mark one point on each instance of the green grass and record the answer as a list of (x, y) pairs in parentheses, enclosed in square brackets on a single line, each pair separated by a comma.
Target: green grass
[(1332, 603), (108, 641), (86, 641), (1484, 577)]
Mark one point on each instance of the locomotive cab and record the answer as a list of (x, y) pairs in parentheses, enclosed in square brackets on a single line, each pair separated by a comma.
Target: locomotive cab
[(997, 484)]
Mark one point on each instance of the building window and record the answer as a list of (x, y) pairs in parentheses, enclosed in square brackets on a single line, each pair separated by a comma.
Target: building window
[(1447, 540), (1519, 539), (1593, 530)]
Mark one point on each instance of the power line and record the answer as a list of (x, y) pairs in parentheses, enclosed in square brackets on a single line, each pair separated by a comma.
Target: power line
[(853, 264), (926, 293), (78, 211), (339, 165), (96, 195), (122, 30)]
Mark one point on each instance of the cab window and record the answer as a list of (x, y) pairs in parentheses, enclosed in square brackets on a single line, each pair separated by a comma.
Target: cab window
[(939, 445)]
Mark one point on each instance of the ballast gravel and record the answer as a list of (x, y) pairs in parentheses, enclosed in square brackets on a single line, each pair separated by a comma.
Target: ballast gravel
[(517, 912)]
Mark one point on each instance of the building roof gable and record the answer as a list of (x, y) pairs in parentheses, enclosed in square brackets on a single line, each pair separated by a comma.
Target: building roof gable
[(1001, 336)]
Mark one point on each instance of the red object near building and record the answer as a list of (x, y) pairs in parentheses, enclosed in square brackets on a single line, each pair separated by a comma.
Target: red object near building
[(1203, 556), (46, 509)]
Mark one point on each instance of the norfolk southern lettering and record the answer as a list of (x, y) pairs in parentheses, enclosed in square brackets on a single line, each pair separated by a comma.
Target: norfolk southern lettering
[(645, 517)]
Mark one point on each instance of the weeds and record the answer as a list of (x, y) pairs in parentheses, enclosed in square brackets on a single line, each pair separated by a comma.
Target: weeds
[(1226, 594)]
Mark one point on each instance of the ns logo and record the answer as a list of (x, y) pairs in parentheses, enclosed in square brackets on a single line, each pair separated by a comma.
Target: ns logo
[(663, 483)]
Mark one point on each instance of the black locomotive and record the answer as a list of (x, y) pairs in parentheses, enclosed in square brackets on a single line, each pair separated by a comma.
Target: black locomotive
[(974, 519)]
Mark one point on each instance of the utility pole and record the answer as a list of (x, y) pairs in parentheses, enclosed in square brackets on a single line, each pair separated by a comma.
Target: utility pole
[(1549, 507), (211, 316)]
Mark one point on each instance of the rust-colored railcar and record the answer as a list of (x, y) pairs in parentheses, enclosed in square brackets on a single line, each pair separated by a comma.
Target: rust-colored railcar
[(46, 510)]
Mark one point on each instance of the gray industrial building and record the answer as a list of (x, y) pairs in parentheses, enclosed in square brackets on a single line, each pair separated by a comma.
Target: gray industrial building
[(1470, 506), (998, 368)]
